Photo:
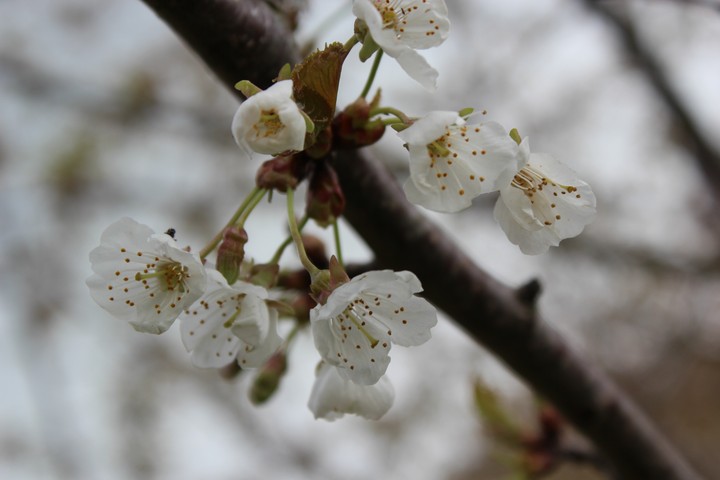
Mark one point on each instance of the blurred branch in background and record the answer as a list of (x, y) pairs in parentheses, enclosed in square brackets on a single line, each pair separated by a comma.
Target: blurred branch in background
[(402, 238), (691, 136)]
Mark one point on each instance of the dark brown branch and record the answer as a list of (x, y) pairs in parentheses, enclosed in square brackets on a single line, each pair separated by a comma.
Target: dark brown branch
[(705, 154), (491, 312), (238, 40)]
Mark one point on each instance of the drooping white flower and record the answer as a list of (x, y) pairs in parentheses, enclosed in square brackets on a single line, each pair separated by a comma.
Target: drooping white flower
[(143, 277), (270, 121), (452, 162), (543, 203), (333, 396), (400, 27), (229, 323), (362, 318)]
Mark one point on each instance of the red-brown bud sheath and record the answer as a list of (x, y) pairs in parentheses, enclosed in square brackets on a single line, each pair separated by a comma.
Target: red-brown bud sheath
[(282, 172), (352, 127), (325, 199), (231, 253)]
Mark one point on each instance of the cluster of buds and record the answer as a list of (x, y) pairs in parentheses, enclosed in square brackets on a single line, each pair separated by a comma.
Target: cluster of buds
[(230, 311)]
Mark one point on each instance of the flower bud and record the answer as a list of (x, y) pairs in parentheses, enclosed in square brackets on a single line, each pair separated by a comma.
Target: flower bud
[(282, 172), (302, 304), (231, 253), (325, 199), (268, 379), (352, 127), (264, 274)]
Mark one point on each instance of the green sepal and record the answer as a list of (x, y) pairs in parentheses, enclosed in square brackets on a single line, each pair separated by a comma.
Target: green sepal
[(369, 48), (285, 73), (283, 308), (247, 88), (515, 135), (264, 274), (309, 124), (466, 112)]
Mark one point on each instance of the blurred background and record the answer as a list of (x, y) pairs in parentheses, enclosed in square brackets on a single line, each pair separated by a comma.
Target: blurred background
[(104, 113)]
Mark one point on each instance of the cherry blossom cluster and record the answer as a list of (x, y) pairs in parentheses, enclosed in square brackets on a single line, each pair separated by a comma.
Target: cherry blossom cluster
[(237, 311)]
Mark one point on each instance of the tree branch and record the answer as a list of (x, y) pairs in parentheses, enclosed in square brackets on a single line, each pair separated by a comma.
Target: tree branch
[(705, 154), (492, 313)]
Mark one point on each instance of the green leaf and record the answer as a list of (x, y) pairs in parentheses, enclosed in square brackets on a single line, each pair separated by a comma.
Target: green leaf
[(490, 409)]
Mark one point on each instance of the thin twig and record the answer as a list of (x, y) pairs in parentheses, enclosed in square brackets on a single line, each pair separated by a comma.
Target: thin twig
[(705, 154)]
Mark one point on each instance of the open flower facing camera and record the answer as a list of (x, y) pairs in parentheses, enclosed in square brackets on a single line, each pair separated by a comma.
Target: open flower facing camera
[(246, 312)]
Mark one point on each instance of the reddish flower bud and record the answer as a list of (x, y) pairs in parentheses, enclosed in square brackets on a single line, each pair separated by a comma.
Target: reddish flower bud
[(231, 253), (282, 172), (302, 305), (325, 200), (352, 127), (322, 145)]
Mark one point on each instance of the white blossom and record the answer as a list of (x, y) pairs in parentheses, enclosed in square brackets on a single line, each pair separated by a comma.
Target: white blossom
[(229, 323), (362, 318), (543, 203), (452, 162), (270, 121), (333, 396), (400, 27), (143, 277)]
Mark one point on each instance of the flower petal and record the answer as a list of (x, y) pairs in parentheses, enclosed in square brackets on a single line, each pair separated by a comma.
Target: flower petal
[(354, 330), (333, 396), (270, 121), (545, 203), (255, 356), (452, 163), (143, 278)]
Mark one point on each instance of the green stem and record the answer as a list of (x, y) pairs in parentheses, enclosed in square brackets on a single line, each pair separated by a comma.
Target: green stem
[(278, 253), (391, 111), (373, 72), (350, 43), (251, 206), (291, 335), (218, 237), (338, 249), (295, 232)]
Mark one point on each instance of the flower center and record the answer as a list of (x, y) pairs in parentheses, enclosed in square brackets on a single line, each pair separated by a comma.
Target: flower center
[(531, 181), (351, 314), (393, 16), (269, 124), (438, 148), (170, 275)]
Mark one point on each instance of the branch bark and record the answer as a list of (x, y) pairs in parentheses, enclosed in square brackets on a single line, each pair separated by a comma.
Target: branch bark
[(501, 318)]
